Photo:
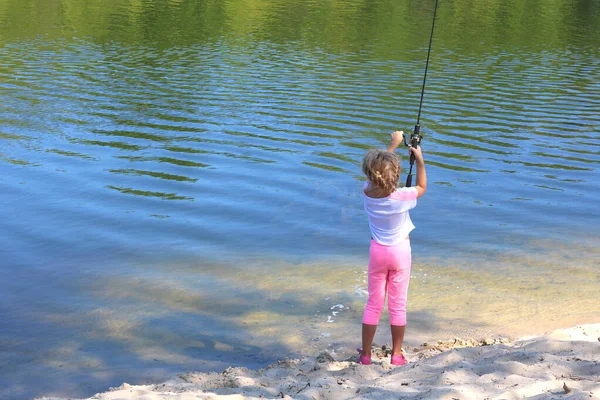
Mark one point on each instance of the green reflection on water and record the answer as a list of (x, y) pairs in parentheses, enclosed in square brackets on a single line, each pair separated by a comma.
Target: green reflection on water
[(133, 134), (14, 137), (338, 156), (145, 193), (118, 145), (455, 167), (71, 154), (168, 160), (14, 161), (338, 26), (325, 167), (153, 174), (551, 166), (191, 150)]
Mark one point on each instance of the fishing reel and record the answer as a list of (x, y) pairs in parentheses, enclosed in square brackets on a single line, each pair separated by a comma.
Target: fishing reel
[(414, 139)]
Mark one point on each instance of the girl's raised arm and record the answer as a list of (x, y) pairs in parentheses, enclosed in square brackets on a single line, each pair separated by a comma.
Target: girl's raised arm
[(421, 174)]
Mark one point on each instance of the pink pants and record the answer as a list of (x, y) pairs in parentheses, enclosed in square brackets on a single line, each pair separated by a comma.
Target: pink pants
[(389, 271)]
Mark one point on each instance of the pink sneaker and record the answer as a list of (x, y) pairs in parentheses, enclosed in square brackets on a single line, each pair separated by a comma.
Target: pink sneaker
[(364, 360), (399, 360)]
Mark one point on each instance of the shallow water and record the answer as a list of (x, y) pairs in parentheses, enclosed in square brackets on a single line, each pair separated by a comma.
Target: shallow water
[(181, 179)]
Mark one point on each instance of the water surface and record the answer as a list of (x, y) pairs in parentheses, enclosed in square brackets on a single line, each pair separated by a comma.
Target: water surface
[(181, 179)]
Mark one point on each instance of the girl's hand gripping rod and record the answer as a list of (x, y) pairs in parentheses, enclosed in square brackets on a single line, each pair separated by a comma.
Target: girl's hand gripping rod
[(414, 141)]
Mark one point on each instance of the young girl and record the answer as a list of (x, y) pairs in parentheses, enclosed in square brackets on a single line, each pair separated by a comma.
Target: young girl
[(389, 260)]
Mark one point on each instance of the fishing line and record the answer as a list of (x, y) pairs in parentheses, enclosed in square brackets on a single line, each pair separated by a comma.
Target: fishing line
[(415, 138)]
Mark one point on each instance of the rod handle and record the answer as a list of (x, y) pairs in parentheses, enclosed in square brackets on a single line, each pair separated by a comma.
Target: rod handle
[(409, 177)]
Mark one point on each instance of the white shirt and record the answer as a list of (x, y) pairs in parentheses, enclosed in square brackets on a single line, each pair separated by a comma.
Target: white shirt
[(388, 216)]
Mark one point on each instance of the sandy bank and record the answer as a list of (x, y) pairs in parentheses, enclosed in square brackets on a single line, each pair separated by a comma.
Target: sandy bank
[(564, 364)]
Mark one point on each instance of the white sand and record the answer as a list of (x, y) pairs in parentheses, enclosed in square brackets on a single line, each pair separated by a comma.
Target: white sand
[(564, 364)]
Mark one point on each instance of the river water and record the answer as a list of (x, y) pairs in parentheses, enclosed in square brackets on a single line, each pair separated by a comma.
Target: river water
[(180, 180)]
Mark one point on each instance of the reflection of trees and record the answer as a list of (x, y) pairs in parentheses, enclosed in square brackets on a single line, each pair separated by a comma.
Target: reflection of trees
[(335, 25)]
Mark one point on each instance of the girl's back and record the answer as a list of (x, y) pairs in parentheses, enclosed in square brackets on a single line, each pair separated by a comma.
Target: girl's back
[(389, 220)]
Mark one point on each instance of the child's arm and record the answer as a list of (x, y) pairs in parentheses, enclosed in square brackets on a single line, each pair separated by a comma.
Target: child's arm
[(397, 138), (421, 174)]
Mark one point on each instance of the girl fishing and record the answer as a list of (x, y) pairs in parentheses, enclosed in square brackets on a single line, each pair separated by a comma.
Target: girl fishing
[(387, 208), (390, 255)]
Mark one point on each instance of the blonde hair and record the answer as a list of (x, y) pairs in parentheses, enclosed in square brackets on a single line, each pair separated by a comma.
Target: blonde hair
[(382, 168)]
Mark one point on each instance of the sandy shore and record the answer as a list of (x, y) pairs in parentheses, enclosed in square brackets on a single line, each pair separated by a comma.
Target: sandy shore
[(564, 364)]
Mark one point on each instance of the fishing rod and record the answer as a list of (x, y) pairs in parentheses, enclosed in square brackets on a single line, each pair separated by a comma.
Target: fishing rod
[(415, 138)]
